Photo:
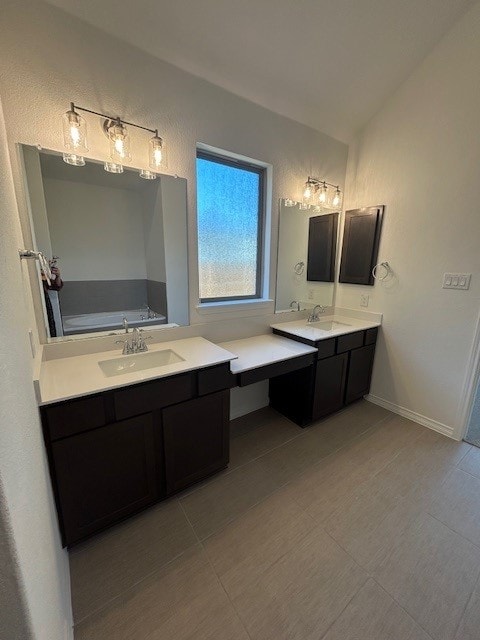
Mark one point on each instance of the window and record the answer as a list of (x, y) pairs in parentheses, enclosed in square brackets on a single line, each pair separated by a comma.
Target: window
[(231, 215)]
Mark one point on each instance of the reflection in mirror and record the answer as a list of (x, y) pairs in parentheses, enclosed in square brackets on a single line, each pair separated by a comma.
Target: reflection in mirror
[(117, 243), (306, 258)]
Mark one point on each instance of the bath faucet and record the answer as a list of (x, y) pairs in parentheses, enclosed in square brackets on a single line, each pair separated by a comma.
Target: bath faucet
[(137, 343), (315, 315)]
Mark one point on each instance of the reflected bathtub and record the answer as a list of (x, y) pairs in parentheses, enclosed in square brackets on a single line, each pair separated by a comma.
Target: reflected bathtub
[(109, 320)]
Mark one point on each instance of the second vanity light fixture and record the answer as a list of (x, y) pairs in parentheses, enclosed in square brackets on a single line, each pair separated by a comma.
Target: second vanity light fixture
[(75, 141), (319, 192)]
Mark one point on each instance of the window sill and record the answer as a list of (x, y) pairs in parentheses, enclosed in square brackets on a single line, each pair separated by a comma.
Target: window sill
[(233, 305)]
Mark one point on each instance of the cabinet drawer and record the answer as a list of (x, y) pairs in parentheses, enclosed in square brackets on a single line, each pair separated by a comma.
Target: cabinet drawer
[(215, 379), (350, 341), (74, 416), (326, 348), (371, 335), (140, 399), (275, 369)]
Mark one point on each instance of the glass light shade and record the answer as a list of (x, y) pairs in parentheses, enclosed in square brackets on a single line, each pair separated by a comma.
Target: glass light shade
[(74, 132), (337, 198), (147, 175), (74, 159), (113, 167), (119, 142), (157, 154), (323, 195)]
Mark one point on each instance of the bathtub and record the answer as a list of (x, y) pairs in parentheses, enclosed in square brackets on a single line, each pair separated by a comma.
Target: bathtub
[(109, 320)]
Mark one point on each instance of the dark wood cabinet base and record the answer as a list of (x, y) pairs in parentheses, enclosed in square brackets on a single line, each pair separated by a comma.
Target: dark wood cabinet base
[(341, 375)]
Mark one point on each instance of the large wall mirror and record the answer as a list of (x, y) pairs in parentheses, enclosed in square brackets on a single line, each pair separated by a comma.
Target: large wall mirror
[(118, 244), (306, 262)]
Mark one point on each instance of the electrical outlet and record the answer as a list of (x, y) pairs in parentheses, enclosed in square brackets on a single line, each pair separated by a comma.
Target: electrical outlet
[(364, 300), (310, 294), (456, 281)]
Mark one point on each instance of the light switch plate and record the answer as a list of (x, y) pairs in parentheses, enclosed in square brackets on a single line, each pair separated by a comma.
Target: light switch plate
[(364, 299), (457, 281)]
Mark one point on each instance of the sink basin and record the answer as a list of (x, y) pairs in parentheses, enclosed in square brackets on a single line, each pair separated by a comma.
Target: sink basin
[(327, 325), (139, 362)]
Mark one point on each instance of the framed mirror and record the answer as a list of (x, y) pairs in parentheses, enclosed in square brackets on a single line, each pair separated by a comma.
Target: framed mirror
[(117, 245), (307, 249)]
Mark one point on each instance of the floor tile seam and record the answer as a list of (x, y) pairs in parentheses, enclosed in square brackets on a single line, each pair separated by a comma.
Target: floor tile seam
[(380, 586), (132, 586), (460, 620), (250, 508), (344, 608), (476, 545), (261, 455), (468, 473)]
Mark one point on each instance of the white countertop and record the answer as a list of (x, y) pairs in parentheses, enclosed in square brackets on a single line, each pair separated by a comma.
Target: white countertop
[(66, 378), (259, 351), (313, 331)]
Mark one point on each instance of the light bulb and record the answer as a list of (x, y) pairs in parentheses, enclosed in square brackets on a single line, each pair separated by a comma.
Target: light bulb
[(323, 194), (119, 142), (147, 175), (74, 159), (74, 131), (157, 153), (113, 167), (308, 190), (336, 198)]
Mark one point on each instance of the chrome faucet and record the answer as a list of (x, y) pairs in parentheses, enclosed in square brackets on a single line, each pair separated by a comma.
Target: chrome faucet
[(317, 310), (137, 343)]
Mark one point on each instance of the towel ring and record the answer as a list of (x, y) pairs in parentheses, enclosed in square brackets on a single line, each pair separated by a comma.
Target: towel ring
[(29, 254), (299, 268), (388, 271)]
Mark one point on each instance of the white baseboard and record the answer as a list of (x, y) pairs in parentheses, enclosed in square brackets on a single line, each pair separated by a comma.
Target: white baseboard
[(412, 415)]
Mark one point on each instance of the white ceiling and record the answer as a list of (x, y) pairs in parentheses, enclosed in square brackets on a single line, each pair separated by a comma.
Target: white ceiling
[(329, 64)]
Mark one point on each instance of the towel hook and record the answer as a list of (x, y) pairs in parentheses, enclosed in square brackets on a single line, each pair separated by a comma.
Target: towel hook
[(299, 268), (388, 271)]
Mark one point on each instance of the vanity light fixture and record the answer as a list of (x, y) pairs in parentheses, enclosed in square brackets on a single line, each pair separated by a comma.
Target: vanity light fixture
[(74, 137), (75, 141), (288, 202), (316, 192)]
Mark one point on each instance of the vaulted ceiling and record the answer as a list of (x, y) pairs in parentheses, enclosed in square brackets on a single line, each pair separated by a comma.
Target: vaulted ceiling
[(330, 64)]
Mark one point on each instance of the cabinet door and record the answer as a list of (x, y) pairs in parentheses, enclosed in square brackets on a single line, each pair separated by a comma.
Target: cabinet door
[(322, 245), (104, 475), (361, 238), (359, 373), (329, 385), (196, 439)]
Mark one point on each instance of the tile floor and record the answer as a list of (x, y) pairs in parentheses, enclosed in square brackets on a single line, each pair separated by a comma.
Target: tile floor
[(364, 526)]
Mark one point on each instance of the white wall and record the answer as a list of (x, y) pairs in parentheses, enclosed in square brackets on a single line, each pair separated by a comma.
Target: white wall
[(420, 156), (38, 570), (49, 58), (97, 231)]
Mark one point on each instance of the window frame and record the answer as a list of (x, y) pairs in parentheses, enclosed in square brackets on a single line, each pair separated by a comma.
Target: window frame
[(261, 170)]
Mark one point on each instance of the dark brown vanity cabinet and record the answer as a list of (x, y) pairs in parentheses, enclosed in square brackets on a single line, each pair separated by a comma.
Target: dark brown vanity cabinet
[(104, 475), (340, 375), (115, 453)]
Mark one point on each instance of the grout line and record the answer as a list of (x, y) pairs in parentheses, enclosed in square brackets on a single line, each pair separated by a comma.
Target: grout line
[(401, 607), (220, 583)]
